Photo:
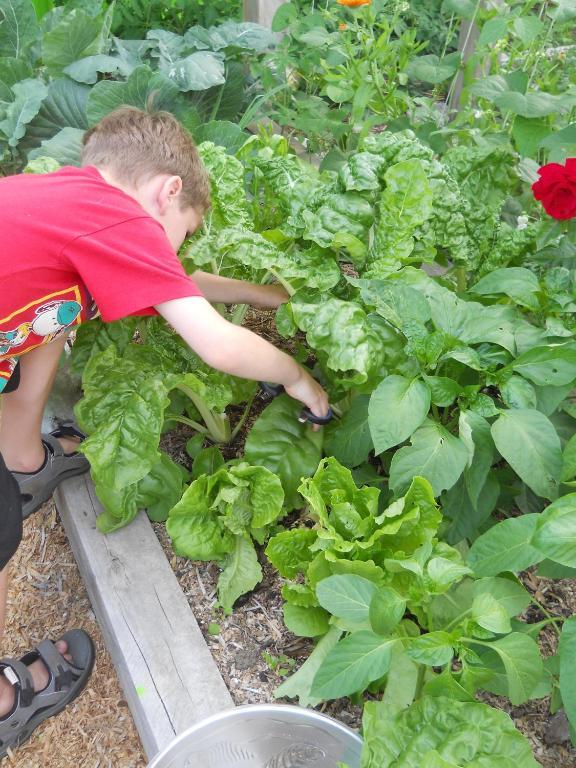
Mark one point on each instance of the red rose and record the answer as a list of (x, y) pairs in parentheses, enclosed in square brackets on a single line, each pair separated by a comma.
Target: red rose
[(556, 189)]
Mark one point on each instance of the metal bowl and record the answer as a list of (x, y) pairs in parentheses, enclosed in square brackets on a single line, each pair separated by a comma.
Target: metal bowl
[(263, 736)]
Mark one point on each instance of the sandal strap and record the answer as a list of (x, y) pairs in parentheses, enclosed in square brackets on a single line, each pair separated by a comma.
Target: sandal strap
[(68, 429), (53, 445), (25, 683), (61, 671)]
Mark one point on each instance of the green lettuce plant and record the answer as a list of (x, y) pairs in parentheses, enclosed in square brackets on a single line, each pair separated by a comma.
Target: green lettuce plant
[(217, 518)]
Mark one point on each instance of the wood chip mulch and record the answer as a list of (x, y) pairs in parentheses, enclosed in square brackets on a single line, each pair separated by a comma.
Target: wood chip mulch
[(47, 597)]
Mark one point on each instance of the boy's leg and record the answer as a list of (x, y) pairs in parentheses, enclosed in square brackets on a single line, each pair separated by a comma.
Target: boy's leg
[(11, 535), (23, 409)]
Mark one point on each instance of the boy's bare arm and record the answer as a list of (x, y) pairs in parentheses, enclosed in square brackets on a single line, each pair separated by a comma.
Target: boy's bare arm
[(227, 291), (238, 351)]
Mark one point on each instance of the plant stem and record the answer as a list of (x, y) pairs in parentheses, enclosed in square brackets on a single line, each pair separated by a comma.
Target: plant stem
[(419, 681), (239, 314), (243, 418), (461, 279), (217, 423), (189, 422), (551, 618)]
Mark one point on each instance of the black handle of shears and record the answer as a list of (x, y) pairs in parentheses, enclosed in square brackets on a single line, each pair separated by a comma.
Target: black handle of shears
[(305, 414)]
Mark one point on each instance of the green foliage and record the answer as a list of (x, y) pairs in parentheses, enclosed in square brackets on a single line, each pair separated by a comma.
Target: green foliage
[(218, 516), (453, 392), (451, 733), (69, 70)]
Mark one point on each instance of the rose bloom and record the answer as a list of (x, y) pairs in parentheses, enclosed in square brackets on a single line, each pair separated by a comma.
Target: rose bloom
[(556, 189), (353, 3), (342, 27)]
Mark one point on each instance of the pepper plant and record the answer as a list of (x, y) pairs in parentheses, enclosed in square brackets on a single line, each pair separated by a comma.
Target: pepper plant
[(399, 612)]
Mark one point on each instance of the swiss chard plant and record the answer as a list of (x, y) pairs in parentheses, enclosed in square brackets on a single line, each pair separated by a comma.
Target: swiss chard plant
[(130, 397)]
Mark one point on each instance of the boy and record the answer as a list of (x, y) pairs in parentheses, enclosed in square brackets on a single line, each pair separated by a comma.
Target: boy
[(101, 236)]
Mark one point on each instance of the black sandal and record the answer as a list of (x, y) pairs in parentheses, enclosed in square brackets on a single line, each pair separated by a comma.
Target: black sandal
[(67, 680)]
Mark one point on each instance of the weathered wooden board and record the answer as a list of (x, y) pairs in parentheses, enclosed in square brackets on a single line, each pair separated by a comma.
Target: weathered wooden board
[(165, 667)]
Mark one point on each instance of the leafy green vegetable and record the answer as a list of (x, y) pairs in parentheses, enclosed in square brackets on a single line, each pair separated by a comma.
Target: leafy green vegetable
[(219, 514), (441, 729), (281, 443)]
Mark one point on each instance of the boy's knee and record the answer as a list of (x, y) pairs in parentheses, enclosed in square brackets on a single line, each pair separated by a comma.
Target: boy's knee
[(10, 515)]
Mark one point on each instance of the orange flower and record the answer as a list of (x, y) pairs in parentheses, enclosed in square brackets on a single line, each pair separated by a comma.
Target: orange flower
[(353, 3), (342, 27)]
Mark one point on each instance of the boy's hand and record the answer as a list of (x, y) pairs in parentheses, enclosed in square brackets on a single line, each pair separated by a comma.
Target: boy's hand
[(308, 391), (269, 296)]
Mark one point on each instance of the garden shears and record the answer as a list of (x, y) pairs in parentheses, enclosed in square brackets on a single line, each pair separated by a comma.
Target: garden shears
[(305, 414)]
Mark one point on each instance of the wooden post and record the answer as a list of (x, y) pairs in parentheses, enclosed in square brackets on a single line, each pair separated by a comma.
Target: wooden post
[(261, 11), (469, 34)]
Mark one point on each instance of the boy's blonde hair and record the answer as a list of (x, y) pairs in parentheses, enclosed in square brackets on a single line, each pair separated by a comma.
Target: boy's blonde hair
[(135, 145)]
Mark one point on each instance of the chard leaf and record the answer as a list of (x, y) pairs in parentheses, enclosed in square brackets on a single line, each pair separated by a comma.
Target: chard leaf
[(279, 442), (120, 506), (241, 573), (360, 172), (350, 347), (434, 454), (530, 444), (161, 489), (226, 173), (344, 214), (349, 439), (124, 448), (405, 204), (398, 406)]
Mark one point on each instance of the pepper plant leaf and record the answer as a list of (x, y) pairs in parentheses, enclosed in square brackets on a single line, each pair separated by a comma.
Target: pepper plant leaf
[(398, 406), (530, 444), (435, 454)]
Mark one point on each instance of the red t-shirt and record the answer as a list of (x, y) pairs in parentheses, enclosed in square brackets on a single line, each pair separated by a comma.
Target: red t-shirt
[(72, 245)]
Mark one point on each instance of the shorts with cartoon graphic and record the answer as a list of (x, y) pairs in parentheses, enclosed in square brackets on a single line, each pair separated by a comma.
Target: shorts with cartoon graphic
[(40, 322)]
